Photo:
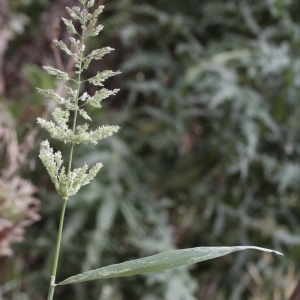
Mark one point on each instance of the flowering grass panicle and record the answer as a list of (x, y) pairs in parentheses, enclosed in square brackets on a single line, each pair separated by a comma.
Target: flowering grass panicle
[(67, 182)]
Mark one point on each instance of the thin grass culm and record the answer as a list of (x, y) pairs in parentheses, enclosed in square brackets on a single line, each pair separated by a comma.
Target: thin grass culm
[(65, 128), (66, 181)]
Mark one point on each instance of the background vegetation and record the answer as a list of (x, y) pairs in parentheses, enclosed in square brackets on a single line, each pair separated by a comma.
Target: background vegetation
[(208, 153)]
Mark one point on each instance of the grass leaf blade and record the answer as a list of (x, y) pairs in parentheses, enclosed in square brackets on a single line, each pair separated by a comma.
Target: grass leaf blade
[(158, 262)]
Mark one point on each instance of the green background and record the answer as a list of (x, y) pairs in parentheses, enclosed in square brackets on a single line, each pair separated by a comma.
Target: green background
[(207, 154)]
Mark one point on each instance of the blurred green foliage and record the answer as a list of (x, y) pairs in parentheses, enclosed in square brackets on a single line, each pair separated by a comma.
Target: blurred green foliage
[(208, 154)]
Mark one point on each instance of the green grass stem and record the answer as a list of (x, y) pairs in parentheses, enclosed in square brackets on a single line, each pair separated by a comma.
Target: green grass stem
[(57, 248)]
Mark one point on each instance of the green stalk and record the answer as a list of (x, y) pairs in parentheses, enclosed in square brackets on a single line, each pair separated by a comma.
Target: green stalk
[(52, 283)]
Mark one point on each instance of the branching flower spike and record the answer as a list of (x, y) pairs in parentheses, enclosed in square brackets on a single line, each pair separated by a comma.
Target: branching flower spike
[(63, 127), (60, 128)]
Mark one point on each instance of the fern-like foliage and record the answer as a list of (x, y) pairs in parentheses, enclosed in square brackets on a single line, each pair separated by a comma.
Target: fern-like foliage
[(67, 182)]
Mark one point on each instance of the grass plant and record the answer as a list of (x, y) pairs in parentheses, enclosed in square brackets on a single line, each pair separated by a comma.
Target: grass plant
[(66, 128)]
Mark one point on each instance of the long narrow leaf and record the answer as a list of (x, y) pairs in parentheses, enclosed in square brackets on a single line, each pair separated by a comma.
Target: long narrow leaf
[(158, 262)]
